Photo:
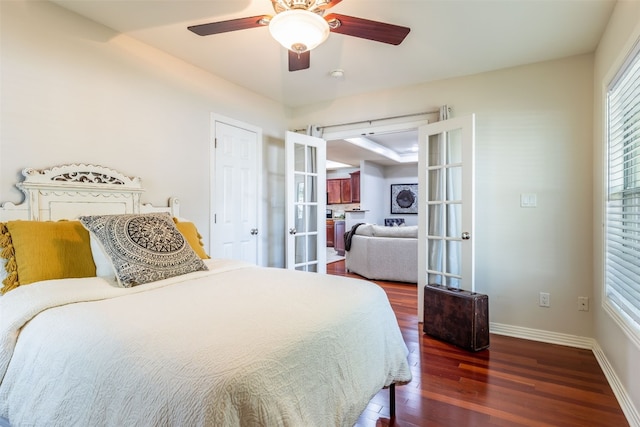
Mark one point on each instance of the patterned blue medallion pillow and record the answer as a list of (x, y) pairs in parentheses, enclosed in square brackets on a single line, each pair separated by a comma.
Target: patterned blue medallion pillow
[(143, 247)]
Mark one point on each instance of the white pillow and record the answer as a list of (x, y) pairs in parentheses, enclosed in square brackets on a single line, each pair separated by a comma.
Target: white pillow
[(104, 267), (3, 272)]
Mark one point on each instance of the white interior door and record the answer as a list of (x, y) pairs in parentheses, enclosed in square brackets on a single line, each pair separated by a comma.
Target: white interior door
[(446, 213), (234, 232), (306, 202)]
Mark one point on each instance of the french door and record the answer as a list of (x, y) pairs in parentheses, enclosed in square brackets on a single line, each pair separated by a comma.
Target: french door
[(446, 205), (306, 186)]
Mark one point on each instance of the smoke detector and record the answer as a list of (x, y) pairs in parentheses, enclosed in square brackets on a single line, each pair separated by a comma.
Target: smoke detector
[(337, 74)]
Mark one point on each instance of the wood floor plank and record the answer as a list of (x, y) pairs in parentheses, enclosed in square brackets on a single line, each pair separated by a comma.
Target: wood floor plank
[(515, 382)]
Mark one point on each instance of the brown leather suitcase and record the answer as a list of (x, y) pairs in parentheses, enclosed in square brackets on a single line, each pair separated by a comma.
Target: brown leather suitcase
[(457, 316)]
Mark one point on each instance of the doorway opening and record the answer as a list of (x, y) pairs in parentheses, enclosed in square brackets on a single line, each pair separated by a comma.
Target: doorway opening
[(371, 159)]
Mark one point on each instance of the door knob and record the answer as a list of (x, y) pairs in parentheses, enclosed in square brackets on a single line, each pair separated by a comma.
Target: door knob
[(254, 231), (292, 231), (466, 235)]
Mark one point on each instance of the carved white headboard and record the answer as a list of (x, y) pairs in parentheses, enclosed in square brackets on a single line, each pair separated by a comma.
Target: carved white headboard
[(68, 191)]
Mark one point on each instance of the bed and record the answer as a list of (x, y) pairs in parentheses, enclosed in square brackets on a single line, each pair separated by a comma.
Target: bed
[(222, 343)]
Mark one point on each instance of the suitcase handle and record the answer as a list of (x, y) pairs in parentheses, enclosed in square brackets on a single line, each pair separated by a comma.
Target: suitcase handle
[(450, 288)]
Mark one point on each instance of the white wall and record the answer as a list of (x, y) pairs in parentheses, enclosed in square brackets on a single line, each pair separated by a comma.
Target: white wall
[(371, 198), (533, 133), (401, 174), (622, 33), (74, 91)]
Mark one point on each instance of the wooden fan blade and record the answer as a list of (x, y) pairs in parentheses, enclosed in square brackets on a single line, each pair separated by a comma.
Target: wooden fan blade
[(299, 61), (366, 29), (231, 25)]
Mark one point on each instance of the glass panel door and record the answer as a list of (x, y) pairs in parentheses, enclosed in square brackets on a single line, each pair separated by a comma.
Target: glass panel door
[(445, 246), (306, 200)]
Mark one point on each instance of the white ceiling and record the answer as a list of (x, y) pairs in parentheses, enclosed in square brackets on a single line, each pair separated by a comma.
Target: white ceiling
[(448, 38)]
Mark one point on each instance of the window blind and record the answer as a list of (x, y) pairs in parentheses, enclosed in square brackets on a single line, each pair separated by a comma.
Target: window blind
[(622, 263)]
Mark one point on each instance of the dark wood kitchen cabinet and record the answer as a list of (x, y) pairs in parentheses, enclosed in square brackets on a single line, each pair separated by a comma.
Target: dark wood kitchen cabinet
[(339, 237), (338, 191), (355, 187), (345, 190), (330, 233), (333, 192)]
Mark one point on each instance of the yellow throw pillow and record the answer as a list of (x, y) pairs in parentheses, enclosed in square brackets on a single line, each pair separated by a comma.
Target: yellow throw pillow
[(191, 235), (46, 250)]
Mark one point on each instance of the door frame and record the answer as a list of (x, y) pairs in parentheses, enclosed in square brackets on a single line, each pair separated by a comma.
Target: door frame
[(218, 118), (352, 132)]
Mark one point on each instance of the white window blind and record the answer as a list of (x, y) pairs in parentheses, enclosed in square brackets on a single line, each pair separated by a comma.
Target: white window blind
[(622, 264)]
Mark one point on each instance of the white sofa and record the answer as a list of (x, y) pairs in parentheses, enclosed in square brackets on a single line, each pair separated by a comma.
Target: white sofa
[(384, 253)]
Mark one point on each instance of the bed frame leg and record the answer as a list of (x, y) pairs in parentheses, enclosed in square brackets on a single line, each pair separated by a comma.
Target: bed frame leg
[(392, 401)]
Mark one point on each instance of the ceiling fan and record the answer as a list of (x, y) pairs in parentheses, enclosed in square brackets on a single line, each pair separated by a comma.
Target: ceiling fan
[(300, 25)]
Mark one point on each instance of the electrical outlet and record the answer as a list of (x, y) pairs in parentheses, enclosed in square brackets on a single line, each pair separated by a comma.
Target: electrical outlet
[(583, 303), (545, 299)]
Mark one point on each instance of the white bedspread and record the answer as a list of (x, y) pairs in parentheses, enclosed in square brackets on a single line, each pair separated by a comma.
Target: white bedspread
[(237, 345)]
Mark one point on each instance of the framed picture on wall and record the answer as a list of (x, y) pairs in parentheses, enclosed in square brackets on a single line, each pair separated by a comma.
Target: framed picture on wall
[(404, 198)]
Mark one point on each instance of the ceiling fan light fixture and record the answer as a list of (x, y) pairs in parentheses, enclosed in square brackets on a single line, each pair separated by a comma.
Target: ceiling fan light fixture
[(299, 30)]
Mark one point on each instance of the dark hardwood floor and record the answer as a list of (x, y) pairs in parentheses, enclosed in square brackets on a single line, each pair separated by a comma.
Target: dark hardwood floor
[(515, 382)]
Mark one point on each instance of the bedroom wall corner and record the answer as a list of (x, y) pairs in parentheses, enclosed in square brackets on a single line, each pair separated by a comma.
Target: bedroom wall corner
[(621, 353)]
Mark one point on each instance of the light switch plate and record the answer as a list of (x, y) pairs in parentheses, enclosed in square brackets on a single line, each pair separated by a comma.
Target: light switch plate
[(528, 200)]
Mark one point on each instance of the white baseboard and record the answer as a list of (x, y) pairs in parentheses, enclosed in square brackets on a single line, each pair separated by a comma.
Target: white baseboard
[(630, 412), (540, 335)]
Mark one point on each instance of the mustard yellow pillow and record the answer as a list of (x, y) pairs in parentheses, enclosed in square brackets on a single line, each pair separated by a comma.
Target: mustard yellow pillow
[(46, 250), (191, 235)]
